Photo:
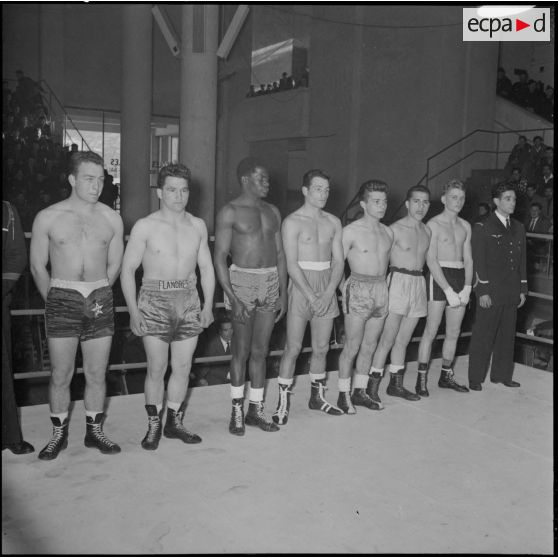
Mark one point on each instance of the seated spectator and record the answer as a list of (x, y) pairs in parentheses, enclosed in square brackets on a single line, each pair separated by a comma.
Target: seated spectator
[(520, 89), (483, 211), (503, 84), (520, 157), (218, 345)]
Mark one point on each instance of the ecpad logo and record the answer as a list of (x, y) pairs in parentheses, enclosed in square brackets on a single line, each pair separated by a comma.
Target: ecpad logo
[(532, 24)]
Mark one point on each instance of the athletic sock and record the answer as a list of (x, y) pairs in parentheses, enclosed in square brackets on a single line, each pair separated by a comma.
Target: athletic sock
[(374, 370), (173, 406), (394, 368), (344, 384), (316, 377), (256, 395), (237, 392), (360, 381), (285, 381), (60, 416), (159, 407), (92, 414)]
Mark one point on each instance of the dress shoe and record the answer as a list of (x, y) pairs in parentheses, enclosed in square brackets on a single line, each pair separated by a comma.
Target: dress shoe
[(508, 383), (21, 448), (475, 387)]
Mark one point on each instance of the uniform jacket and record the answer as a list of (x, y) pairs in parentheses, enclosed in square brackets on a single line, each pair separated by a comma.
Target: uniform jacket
[(499, 260), (14, 252)]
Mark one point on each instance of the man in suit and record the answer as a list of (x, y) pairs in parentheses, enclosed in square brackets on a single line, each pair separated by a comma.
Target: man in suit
[(219, 345), (536, 222), (499, 259)]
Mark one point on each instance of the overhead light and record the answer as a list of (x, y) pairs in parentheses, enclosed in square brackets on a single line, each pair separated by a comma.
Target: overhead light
[(502, 11)]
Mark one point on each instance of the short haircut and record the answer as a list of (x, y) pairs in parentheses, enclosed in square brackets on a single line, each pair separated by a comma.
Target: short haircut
[(537, 138), (451, 184), (417, 188), (222, 321), (500, 188), (79, 157), (536, 204), (522, 137), (370, 186), (177, 170), (485, 206), (248, 166), (308, 176)]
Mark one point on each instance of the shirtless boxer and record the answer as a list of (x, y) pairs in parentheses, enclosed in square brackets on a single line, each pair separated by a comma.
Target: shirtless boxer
[(168, 244), (366, 246), (83, 240), (314, 254), (255, 286), (450, 264), (407, 294)]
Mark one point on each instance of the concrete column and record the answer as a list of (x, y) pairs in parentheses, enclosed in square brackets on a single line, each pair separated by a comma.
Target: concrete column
[(135, 126), (198, 105)]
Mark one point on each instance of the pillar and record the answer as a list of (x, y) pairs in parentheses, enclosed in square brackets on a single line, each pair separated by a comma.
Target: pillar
[(135, 126), (198, 105)]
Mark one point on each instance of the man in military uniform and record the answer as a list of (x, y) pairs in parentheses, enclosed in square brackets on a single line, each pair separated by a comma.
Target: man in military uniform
[(14, 260), (499, 261)]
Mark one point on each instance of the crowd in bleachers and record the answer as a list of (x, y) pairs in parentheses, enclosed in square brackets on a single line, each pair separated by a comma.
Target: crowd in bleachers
[(527, 93), (284, 83), (34, 163)]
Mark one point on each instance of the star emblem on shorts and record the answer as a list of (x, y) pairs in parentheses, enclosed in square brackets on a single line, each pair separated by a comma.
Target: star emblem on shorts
[(97, 309)]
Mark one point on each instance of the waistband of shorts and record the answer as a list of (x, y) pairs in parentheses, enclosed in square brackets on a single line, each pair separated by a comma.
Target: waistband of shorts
[(256, 270), (314, 266), (366, 278), (405, 271), (452, 265), (76, 285), (164, 285)]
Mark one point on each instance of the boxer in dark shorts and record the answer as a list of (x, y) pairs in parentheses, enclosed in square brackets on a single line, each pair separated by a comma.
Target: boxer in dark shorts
[(454, 272), (171, 308), (257, 289), (365, 295), (79, 309)]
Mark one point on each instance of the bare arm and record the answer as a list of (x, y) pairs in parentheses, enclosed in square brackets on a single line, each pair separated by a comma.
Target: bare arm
[(132, 259), (337, 258), (281, 268), (468, 255), (289, 234), (432, 257), (38, 253), (116, 249), (207, 275)]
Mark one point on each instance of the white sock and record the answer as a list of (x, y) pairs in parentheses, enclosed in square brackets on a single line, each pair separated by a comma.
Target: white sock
[(344, 384), (173, 406), (237, 392), (285, 381), (256, 395), (376, 370), (316, 377), (159, 407), (394, 368), (92, 414), (360, 381), (60, 416)]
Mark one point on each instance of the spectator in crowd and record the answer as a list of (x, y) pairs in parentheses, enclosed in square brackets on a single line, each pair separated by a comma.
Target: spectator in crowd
[(546, 109), (537, 156), (519, 158), (549, 156), (537, 224), (503, 84), (531, 195), (535, 96), (219, 344), (14, 260), (110, 191), (520, 89), (286, 82), (547, 177), (548, 201), (28, 92), (483, 211)]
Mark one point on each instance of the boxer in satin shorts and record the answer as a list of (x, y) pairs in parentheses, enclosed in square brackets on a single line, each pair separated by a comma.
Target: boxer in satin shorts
[(171, 308), (79, 309), (256, 288), (366, 296), (407, 293), (318, 281)]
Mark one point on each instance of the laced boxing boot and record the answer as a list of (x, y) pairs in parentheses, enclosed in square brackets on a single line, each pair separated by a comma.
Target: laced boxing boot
[(396, 389), (317, 400), (256, 417), (95, 437), (175, 429), (448, 381), (361, 398), (236, 425), (59, 440), (374, 380), (154, 429), (281, 414), (345, 404), (420, 386)]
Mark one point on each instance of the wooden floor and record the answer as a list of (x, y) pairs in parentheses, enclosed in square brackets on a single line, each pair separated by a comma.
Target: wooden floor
[(452, 473)]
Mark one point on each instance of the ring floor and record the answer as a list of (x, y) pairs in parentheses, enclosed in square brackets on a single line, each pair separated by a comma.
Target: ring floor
[(453, 473)]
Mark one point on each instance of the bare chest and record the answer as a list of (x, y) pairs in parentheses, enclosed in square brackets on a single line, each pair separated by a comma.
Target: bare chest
[(411, 241), (83, 232), (451, 235), (174, 242), (255, 222), (316, 232)]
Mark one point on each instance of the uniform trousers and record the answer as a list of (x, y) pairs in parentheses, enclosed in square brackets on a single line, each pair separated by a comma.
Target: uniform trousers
[(493, 335)]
